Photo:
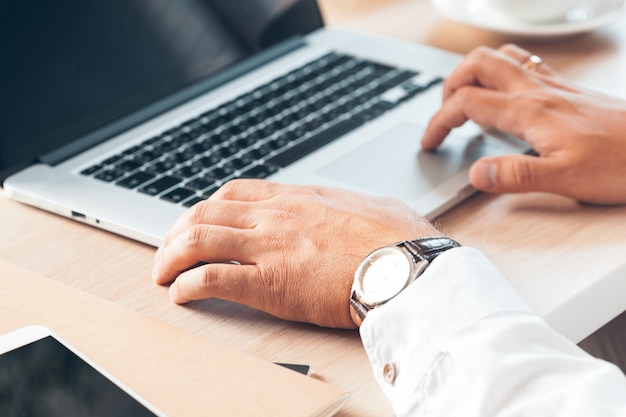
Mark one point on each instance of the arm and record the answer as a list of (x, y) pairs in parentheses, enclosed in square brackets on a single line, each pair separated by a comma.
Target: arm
[(463, 343), (297, 247), (578, 134)]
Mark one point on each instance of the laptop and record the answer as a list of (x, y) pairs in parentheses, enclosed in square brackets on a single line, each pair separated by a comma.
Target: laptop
[(124, 114)]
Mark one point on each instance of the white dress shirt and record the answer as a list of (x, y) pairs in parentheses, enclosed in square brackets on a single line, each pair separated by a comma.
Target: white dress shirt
[(461, 342)]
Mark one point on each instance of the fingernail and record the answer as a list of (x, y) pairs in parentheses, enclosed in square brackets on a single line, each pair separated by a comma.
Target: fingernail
[(485, 175)]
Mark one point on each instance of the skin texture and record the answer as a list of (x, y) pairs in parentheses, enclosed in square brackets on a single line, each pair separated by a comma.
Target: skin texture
[(296, 248), (579, 135)]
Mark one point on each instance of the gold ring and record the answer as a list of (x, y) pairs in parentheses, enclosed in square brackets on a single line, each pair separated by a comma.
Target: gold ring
[(532, 63)]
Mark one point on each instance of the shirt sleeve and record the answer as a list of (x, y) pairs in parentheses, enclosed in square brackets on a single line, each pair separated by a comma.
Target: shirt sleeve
[(460, 341)]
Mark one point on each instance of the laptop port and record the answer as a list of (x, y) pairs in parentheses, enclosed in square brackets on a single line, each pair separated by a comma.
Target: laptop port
[(78, 215)]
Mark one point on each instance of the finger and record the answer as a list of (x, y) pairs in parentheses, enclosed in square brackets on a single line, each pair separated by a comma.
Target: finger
[(202, 244), (488, 68), (522, 55), (543, 73), (224, 281), (234, 214), (488, 108), (246, 190), (514, 51), (514, 174)]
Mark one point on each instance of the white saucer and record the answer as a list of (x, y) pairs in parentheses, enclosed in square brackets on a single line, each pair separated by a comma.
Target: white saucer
[(478, 13)]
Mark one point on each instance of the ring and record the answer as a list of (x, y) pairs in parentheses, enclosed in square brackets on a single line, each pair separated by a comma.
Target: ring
[(532, 63)]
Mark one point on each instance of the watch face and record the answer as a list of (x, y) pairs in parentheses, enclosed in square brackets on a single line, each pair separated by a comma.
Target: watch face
[(382, 275)]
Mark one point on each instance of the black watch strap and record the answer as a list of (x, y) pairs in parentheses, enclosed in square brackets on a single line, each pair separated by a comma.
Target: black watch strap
[(359, 308), (429, 248)]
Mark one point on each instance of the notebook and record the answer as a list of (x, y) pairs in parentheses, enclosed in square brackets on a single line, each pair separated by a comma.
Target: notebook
[(122, 115), (179, 373)]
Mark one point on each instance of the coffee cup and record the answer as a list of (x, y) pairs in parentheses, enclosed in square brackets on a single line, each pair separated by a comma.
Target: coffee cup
[(542, 11)]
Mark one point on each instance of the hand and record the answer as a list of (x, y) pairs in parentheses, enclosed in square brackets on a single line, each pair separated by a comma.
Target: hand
[(579, 135), (297, 247)]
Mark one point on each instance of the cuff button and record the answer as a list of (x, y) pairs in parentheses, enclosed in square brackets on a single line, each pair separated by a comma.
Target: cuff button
[(389, 373)]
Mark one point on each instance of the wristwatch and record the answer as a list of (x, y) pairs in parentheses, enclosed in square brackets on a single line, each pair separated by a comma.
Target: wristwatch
[(387, 271)]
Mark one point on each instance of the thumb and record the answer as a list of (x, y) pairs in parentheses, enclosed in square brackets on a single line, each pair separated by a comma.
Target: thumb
[(510, 174)]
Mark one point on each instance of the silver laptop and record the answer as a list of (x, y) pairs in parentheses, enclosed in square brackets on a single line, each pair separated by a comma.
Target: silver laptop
[(122, 115)]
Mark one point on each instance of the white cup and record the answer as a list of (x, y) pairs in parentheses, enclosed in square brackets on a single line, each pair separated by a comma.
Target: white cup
[(542, 11)]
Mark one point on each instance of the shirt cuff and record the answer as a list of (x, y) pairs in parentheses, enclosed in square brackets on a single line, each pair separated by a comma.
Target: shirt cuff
[(457, 289)]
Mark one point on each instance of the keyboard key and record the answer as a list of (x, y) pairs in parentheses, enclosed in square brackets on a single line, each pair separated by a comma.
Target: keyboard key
[(200, 184), (241, 162), (177, 195), (209, 160), (246, 141), (161, 167), (234, 137), (425, 80), (259, 171), (146, 156), (227, 151), (188, 171), (220, 172), (110, 175), (165, 146), (373, 111), (92, 169), (396, 79), (135, 180), (131, 150), (201, 147), (394, 95), (207, 193), (160, 185), (111, 160), (193, 200), (128, 165), (315, 142), (152, 140), (277, 143)]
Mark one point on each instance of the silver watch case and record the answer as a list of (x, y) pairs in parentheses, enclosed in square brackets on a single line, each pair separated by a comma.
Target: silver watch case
[(371, 294)]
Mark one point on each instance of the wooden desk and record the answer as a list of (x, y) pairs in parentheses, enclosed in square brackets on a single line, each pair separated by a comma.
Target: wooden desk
[(567, 260)]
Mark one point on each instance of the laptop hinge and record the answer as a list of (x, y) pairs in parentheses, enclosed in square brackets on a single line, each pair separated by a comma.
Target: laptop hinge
[(96, 137)]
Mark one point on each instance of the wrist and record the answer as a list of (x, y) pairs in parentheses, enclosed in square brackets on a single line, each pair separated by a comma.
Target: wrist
[(389, 270), (355, 317)]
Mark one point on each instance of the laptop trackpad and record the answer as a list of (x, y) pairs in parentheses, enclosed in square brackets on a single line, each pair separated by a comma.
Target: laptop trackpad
[(395, 165)]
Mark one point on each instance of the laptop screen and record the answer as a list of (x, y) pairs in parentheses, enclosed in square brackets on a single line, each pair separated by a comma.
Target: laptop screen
[(72, 67)]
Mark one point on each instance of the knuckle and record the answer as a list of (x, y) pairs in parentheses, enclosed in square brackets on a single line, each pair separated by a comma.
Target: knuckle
[(204, 212), (207, 278), (509, 48), (197, 212), (228, 189), (480, 52), (537, 104), (266, 280), (176, 291), (195, 238), (523, 174), (531, 103), (463, 94), (316, 191), (447, 84)]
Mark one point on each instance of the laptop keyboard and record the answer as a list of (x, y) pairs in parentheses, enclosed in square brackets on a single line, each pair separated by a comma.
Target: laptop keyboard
[(258, 133)]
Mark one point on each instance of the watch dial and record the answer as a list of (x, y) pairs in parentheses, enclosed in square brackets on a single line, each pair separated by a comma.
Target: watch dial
[(384, 274)]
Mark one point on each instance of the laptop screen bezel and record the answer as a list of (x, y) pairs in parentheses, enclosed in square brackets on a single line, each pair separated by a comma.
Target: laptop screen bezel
[(307, 10)]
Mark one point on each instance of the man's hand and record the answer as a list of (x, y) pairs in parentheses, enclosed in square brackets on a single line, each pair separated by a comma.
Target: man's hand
[(579, 135), (296, 247)]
